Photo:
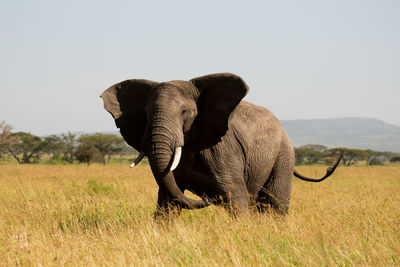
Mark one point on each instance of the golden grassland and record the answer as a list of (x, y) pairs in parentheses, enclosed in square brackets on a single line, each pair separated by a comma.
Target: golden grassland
[(78, 215)]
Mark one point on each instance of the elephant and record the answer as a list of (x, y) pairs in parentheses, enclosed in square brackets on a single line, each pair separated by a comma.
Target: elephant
[(199, 135)]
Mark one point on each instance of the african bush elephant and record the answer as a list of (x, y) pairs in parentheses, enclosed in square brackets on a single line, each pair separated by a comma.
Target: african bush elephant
[(200, 136)]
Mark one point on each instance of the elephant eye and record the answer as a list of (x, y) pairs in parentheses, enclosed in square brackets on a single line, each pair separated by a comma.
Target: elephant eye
[(185, 112)]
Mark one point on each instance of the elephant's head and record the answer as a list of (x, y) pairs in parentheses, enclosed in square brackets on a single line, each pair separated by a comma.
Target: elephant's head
[(160, 118)]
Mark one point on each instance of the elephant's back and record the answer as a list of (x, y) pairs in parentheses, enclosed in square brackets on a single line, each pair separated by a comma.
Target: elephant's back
[(256, 119), (248, 110), (260, 134)]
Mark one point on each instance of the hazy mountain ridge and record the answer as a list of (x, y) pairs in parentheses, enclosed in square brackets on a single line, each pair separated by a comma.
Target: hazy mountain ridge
[(362, 133)]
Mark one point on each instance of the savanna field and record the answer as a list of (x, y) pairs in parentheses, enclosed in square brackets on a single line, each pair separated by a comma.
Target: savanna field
[(78, 215)]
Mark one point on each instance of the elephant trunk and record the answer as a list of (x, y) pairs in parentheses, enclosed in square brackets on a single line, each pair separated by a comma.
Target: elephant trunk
[(160, 148)]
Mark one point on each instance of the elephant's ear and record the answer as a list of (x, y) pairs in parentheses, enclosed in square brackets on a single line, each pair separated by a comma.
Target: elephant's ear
[(126, 102), (220, 94)]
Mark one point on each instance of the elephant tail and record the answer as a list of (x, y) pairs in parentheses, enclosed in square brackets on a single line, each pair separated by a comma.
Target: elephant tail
[(329, 172)]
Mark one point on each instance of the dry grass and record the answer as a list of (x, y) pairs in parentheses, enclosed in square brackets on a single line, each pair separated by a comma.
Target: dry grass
[(79, 216)]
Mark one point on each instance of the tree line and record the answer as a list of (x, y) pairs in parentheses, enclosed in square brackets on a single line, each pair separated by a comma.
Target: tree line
[(28, 148), (319, 154)]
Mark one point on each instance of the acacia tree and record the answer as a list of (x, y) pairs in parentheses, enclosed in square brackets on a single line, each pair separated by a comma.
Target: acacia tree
[(319, 148), (300, 155), (309, 154), (351, 155), (106, 144), (6, 137), (70, 146), (26, 148), (53, 145)]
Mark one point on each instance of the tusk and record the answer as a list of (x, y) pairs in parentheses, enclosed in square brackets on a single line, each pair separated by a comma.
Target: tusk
[(137, 160), (177, 157)]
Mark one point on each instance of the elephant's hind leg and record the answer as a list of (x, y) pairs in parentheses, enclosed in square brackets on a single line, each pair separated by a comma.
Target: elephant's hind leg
[(276, 191)]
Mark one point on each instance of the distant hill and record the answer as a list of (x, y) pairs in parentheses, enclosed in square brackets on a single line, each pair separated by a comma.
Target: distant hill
[(362, 133)]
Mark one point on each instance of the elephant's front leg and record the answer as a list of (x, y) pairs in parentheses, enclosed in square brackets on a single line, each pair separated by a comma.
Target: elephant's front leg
[(166, 206)]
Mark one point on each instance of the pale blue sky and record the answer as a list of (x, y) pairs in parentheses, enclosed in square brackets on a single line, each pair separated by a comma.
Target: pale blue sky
[(302, 59)]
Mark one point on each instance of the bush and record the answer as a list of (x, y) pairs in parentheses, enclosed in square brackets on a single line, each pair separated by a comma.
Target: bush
[(395, 159), (376, 161), (88, 154)]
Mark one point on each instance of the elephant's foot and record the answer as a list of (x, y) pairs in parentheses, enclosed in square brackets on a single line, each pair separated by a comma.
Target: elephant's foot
[(167, 211), (166, 207), (237, 204), (268, 206)]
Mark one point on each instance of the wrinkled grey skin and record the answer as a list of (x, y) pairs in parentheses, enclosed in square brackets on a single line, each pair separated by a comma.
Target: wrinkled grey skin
[(234, 153)]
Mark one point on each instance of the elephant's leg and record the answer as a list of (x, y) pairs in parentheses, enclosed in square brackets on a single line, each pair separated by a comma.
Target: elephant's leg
[(276, 191), (165, 205), (236, 197)]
